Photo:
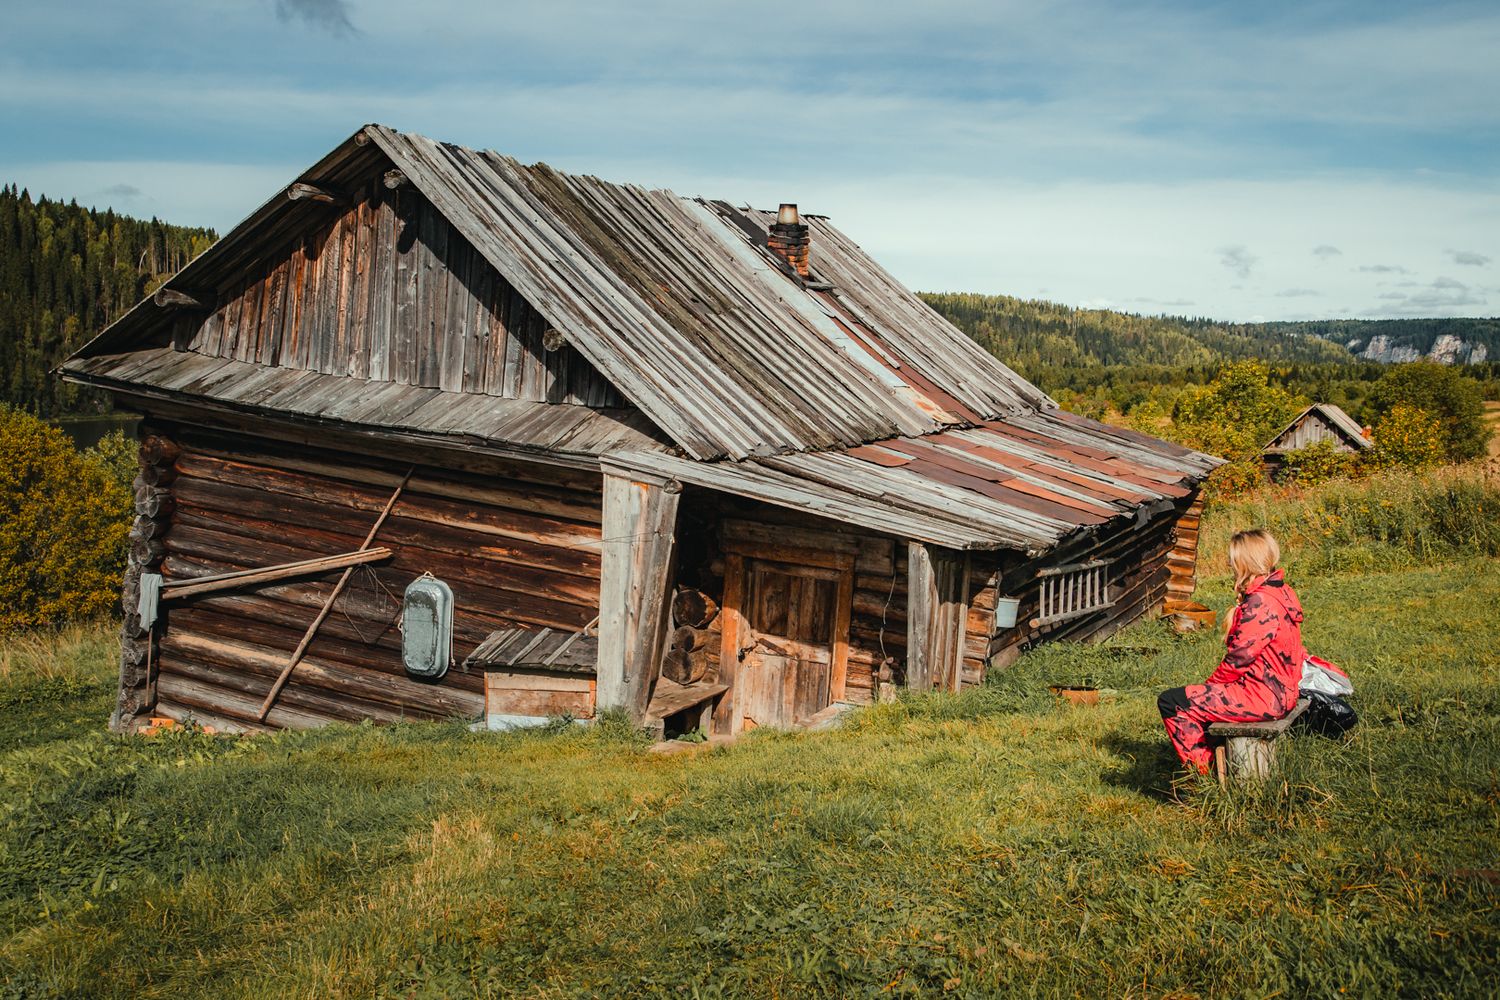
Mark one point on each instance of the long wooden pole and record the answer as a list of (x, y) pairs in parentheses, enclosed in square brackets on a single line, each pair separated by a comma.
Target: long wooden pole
[(312, 630), (192, 586)]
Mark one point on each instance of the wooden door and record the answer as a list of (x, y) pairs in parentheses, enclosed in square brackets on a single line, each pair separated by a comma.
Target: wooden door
[(789, 638)]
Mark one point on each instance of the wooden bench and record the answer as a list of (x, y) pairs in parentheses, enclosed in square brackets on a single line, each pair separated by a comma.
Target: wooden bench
[(1249, 748)]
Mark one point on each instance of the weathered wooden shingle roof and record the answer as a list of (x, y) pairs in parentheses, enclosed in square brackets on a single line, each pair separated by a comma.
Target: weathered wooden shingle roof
[(580, 433), (674, 301), (1027, 482), (842, 394)]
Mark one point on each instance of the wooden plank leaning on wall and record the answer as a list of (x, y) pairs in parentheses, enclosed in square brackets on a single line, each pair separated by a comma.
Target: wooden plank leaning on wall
[(937, 615), (638, 538)]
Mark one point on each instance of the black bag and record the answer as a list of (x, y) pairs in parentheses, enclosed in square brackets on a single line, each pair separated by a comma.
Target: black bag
[(1326, 715)]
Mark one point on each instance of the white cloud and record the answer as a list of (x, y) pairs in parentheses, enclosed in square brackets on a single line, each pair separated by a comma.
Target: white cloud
[(1238, 259), (1468, 258), (1007, 147)]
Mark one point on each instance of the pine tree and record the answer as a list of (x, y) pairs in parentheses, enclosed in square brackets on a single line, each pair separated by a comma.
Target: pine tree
[(65, 272)]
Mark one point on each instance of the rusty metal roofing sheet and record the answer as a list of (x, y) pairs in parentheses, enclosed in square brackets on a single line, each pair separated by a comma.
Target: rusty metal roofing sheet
[(987, 487)]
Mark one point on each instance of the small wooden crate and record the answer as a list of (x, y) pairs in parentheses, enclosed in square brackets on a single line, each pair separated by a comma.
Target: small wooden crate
[(518, 697)]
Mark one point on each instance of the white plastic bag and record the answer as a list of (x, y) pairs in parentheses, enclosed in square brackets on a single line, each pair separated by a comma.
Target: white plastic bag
[(1323, 677)]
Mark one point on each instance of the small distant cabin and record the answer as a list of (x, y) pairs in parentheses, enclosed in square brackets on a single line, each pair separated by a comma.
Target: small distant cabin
[(1319, 422), (437, 434)]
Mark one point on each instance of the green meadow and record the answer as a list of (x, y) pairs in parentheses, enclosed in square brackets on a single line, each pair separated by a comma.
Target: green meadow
[(989, 843)]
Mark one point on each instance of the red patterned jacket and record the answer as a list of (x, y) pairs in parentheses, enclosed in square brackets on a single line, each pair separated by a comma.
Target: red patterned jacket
[(1265, 651)]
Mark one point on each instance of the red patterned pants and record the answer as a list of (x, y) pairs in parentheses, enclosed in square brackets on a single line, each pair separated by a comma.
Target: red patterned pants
[(1187, 712)]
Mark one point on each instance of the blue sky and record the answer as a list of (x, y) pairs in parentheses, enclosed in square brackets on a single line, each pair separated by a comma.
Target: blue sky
[(1239, 161)]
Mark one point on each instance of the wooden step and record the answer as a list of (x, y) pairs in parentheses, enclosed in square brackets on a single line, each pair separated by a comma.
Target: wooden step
[(669, 698)]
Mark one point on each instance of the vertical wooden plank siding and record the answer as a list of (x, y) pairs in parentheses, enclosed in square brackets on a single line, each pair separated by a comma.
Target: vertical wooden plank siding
[(639, 537), (389, 290), (937, 615)]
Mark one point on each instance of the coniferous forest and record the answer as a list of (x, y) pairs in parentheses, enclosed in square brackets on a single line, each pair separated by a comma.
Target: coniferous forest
[(66, 271)]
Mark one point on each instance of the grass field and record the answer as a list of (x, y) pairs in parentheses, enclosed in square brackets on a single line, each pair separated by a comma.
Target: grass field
[(987, 843)]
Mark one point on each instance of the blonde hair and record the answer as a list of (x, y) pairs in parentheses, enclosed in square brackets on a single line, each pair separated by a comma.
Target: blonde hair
[(1252, 554)]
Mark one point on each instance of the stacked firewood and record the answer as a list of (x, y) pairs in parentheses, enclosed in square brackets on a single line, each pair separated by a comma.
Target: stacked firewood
[(694, 652)]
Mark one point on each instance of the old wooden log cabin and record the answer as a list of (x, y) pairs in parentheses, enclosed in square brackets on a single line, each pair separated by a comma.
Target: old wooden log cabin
[(1318, 423), (433, 434)]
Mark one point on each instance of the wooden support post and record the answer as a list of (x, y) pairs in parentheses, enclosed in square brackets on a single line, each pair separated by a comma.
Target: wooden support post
[(727, 718), (921, 598), (639, 541), (338, 588), (936, 612)]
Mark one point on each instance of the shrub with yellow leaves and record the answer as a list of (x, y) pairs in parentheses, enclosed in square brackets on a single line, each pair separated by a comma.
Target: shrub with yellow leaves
[(64, 526), (1409, 437)]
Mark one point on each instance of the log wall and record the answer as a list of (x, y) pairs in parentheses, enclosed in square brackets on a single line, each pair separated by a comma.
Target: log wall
[(388, 290), (153, 510), (518, 544)]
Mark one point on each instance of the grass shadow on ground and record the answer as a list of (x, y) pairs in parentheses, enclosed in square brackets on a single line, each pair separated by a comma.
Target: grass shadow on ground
[(1147, 766)]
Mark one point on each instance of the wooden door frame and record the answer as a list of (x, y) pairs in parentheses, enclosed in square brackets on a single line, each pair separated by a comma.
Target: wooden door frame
[(738, 556)]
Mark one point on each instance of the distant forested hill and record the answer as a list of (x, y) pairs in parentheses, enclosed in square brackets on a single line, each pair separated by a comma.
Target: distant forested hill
[(65, 272), (1032, 335)]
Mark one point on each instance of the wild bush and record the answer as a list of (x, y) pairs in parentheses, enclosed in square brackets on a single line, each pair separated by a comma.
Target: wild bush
[(1390, 520), (1317, 463), (117, 453), (1409, 437), (1451, 399), (1233, 417), (64, 521)]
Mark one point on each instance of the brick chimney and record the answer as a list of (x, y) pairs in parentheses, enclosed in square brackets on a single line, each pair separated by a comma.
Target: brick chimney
[(789, 240)]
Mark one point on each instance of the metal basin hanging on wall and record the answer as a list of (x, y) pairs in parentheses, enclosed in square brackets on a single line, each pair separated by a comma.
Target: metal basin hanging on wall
[(427, 627)]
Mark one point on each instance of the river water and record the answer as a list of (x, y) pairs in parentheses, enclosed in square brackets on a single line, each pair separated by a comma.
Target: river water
[(88, 431)]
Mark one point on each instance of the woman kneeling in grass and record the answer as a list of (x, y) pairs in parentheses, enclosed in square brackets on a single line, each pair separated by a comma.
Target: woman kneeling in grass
[(1257, 680)]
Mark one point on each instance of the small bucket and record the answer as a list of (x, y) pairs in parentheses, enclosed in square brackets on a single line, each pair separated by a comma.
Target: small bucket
[(1076, 695), (1189, 616), (1005, 611)]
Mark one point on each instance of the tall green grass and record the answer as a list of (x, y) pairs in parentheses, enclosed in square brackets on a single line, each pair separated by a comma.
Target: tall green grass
[(983, 844), (53, 682), (1388, 521)]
